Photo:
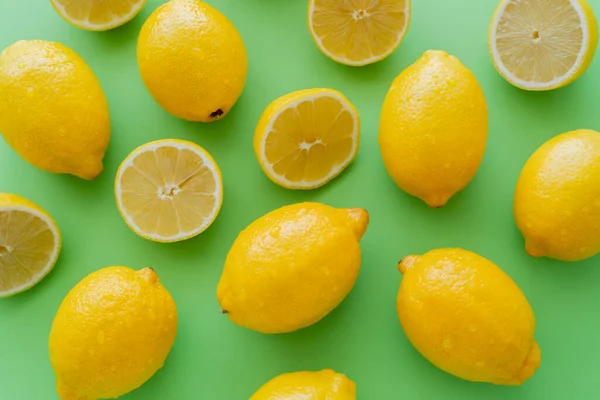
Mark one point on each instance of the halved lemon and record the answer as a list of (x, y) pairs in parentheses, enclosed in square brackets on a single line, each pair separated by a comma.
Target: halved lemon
[(29, 244), (542, 45), (98, 15), (169, 190), (358, 32), (306, 138)]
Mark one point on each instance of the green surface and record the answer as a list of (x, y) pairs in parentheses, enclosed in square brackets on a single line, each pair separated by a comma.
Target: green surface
[(214, 359)]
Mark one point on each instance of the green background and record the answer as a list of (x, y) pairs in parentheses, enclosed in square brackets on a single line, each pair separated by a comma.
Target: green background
[(214, 359)]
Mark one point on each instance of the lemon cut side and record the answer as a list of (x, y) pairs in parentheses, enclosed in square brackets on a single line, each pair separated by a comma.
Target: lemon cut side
[(169, 190), (306, 138), (542, 45), (98, 15), (30, 243), (358, 32)]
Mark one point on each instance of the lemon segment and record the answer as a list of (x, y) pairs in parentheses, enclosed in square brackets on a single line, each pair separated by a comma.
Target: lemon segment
[(542, 45), (306, 138), (169, 190), (358, 32), (29, 244), (97, 15)]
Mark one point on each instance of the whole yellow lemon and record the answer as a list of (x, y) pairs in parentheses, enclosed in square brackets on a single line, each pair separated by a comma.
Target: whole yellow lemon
[(557, 200), (433, 128), (111, 333), (467, 317), (192, 60), (291, 267), (53, 112), (322, 385)]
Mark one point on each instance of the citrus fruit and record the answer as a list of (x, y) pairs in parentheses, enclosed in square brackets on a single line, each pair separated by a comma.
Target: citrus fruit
[(53, 112), (112, 332), (98, 15), (306, 138), (29, 244), (169, 190), (308, 385), (467, 317), (358, 32), (557, 200), (291, 267), (192, 60), (433, 128), (542, 45)]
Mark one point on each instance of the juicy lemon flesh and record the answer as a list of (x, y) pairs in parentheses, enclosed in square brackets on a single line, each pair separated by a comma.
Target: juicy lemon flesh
[(27, 250), (169, 193), (98, 13), (359, 32), (539, 41), (311, 141)]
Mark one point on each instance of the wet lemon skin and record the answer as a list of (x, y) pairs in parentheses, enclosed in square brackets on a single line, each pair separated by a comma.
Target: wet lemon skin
[(192, 60), (322, 385), (291, 267), (557, 200), (53, 111), (112, 332), (433, 128), (467, 317)]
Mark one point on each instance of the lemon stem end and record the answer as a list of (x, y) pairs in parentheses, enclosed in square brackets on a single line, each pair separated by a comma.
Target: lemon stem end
[(359, 218), (406, 263)]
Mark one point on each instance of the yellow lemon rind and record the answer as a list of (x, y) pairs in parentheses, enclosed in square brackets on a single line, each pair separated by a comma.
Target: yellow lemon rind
[(584, 58), (181, 145), (359, 63), (86, 25), (293, 102), (51, 260)]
